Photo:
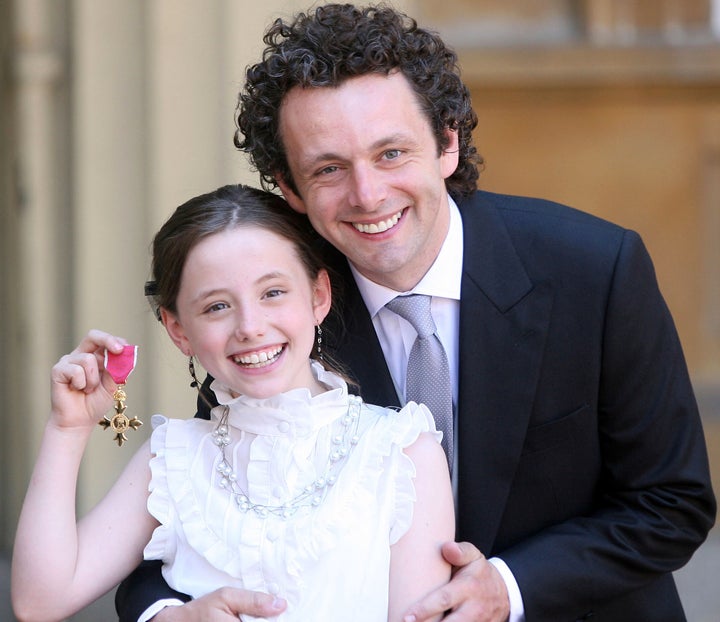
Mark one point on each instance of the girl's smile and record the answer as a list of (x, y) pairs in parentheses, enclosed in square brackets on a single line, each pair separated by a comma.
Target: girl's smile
[(260, 358)]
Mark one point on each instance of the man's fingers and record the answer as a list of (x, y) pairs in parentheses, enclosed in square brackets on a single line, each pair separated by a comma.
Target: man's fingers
[(224, 605), (476, 592), (257, 604), (432, 605), (460, 554), (453, 594)]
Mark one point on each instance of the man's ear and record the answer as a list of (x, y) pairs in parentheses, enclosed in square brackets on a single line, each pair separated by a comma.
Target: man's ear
[(292, 197), (175, 331), (450, 155)]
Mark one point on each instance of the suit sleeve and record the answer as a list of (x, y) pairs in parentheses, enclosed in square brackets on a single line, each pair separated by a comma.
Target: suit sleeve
[(143, 588), (206, 399), (654, 502)]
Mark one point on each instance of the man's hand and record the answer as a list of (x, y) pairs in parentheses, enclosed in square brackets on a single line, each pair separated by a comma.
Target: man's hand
[(476, 592), (224, 605)]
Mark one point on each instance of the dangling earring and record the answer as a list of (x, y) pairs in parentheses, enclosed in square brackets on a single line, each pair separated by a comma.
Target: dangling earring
[(191, 368), (318, 332)]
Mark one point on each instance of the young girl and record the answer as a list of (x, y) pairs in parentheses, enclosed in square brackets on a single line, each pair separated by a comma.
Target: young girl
[(294, 487)]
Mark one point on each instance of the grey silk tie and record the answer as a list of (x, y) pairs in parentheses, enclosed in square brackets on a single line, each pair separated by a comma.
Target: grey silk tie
[(428, 372)]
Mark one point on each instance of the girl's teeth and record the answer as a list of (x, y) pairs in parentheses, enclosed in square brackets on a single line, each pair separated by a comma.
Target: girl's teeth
[(257, 358), (254, 358)]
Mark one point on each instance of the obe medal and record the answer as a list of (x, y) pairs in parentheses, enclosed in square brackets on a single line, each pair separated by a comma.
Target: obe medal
[(120, 366)]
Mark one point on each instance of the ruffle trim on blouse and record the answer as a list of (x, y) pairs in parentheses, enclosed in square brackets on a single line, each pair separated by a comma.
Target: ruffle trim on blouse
[(158, 503), (173, 496), (385, 434), (405, 428)]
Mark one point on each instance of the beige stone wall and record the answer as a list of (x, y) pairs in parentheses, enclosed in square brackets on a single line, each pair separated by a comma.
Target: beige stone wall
[(647, 159)]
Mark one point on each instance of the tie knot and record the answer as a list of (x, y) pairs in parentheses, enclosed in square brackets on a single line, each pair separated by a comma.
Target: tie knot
[(416, 310)]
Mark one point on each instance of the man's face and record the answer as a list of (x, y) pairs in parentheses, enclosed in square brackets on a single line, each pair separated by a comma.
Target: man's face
[(368, 174)]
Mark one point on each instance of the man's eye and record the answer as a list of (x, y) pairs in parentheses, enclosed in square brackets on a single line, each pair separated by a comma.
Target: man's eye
[(327, 170), (392, 154)]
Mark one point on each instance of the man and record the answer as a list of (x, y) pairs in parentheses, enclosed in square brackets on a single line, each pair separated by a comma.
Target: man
[(580, 468)]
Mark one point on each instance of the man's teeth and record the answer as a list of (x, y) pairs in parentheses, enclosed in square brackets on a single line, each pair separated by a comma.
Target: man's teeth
[(258, 358), (378, 227)]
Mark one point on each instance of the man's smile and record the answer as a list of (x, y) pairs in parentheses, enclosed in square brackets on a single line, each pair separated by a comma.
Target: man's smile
[(378, 227)]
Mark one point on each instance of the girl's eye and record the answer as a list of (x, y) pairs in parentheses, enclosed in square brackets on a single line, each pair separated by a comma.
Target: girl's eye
[(218, 306), (273, 293)]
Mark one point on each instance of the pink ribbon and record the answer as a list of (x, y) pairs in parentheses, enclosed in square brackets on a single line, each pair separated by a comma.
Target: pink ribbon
[(119, 366)]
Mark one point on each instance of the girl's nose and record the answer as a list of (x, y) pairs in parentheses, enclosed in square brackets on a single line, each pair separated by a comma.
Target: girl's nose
[(249, 323)]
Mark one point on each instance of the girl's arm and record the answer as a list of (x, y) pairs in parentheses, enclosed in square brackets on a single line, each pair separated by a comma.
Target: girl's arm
[(417, 566), (58, 566)]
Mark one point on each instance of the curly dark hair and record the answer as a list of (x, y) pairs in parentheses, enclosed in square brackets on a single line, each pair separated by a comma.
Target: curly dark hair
[(334, 43)]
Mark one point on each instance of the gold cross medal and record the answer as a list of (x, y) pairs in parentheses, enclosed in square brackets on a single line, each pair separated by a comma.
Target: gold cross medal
[(120, 366)]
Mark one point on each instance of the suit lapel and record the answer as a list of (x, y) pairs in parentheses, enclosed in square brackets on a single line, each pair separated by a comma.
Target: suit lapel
[(504, 318)]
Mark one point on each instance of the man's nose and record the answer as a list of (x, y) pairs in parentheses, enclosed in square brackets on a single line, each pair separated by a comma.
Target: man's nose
[(368, 188)]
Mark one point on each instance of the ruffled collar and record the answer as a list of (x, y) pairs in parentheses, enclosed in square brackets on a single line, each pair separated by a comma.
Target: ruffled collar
[(294, 413)]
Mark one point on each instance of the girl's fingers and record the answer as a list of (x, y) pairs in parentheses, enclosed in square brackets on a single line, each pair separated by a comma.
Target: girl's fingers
[(82, 368), (79, 370), (100, 340)]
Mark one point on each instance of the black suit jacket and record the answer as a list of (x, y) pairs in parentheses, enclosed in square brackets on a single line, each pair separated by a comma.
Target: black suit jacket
[(582, 461)]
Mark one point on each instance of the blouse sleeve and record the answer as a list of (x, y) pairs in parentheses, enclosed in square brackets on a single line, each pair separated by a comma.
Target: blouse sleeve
[(158, 503), (407, 425)]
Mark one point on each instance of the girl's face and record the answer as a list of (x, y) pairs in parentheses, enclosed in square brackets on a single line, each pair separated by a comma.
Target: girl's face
[(247, 309)]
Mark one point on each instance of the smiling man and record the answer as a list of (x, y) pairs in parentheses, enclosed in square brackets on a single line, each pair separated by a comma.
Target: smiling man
[(580, 469)]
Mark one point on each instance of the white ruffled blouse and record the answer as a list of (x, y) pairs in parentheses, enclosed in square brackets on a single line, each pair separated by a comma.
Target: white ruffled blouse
[(330, 562)]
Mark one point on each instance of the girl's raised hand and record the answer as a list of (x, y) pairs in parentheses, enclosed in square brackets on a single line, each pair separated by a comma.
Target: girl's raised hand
[(81, 388)]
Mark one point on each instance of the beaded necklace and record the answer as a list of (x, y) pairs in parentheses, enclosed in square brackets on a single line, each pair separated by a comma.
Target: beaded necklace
[(314, 493)]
